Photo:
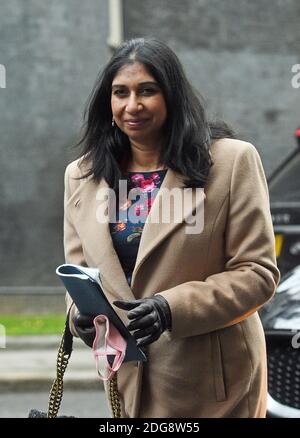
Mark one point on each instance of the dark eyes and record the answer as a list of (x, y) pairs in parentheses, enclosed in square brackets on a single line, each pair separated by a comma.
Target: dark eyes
[(148, 90), (143, 91)]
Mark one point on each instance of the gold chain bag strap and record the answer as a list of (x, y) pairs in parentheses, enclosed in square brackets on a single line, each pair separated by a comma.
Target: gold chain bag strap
[(114, 397), (56, 393), (63, 356)]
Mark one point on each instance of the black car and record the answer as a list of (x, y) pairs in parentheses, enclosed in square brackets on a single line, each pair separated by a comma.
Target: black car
[(281, 316), (281, 320), (284, 188)]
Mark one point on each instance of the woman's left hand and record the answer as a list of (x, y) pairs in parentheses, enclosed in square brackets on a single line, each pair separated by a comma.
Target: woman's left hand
[(150, 317)]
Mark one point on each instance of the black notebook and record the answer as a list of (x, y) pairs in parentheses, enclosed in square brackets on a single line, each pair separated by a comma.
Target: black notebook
[(84, 286)]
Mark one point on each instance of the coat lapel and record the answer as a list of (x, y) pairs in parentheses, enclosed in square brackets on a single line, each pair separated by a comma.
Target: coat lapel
[(89, 213), (165, 215), (92, 224)]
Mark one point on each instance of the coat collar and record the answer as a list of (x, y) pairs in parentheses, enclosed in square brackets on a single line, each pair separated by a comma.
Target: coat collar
[(88, 208)]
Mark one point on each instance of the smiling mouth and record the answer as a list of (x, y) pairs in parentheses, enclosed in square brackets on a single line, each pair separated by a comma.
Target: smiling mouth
[(136, 123)]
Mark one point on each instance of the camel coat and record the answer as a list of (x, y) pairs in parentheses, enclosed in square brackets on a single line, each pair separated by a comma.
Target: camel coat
[(213, 362)]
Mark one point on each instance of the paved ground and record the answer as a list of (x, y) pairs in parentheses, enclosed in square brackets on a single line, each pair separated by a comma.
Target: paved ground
[(30, 364), (27, 370), (81, 404)]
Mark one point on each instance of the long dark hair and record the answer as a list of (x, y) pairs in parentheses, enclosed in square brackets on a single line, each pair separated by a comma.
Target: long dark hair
[(188, 133)]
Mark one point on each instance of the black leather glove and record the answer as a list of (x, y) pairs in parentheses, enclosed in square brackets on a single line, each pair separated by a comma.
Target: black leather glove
[(150, 317), (85, 328)]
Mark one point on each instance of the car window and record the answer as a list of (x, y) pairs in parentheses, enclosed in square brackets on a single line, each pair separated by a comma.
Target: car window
[(286, 185)]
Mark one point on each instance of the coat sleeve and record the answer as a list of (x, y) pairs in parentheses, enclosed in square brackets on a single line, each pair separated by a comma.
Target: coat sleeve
[(250, 274), (72, 244)]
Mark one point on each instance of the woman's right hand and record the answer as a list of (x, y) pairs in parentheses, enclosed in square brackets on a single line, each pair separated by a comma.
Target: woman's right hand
[(85, 328)]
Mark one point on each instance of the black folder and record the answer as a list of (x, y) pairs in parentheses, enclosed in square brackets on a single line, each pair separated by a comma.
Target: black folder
[(84, 286)]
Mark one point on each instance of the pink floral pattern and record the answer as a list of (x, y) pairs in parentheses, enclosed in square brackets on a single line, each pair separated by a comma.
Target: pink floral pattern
[(125, 234)]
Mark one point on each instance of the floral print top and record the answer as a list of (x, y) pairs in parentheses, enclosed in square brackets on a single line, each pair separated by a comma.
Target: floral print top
[(131, 214)]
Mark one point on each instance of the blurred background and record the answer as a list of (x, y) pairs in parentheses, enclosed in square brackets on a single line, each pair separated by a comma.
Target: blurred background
[(238, 54)]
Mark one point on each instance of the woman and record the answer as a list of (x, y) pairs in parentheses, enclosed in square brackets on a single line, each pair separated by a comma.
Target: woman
[(191, 297)]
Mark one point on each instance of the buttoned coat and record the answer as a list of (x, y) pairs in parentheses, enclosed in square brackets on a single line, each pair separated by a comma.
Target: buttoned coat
[(213, 361)]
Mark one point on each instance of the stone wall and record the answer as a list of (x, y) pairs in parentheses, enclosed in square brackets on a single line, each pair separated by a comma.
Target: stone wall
[(52, 52)]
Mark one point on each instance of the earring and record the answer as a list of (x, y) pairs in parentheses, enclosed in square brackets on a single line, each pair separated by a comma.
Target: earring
[(113, 123)]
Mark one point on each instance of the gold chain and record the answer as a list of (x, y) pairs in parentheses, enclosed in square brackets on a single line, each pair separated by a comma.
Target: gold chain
[(114, 397), (56, 392)]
